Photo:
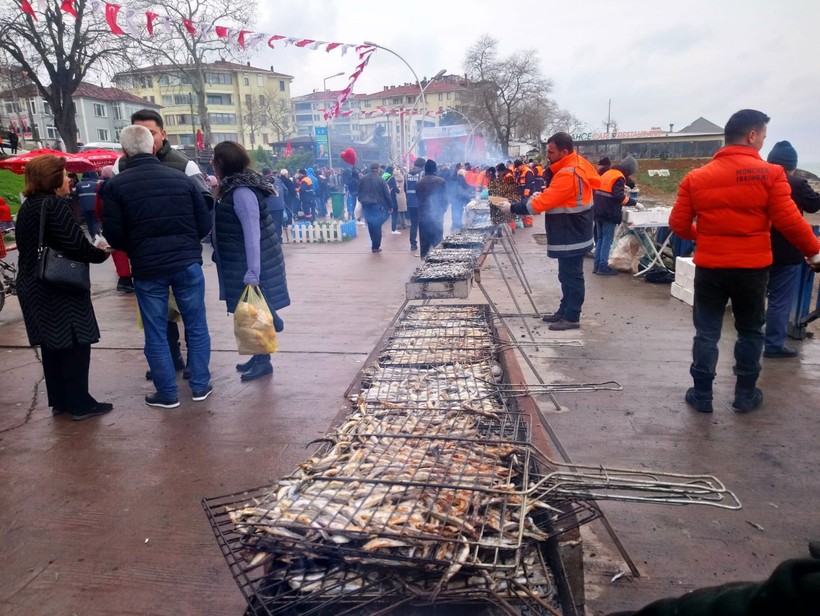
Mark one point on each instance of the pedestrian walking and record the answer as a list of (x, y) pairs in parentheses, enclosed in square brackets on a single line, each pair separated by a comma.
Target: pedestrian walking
[(377, 204), (431, 191)]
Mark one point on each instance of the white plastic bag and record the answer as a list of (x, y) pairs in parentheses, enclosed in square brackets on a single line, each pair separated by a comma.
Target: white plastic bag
[(626, 254)]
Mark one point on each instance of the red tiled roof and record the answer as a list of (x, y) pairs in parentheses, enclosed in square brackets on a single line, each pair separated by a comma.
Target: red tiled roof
[(413, 90), (88, 90), (218, 65)]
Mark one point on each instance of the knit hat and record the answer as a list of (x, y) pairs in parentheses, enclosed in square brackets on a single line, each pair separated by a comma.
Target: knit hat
[(419, 162), (783, 154), (375, 166), (629, 165), (605, 162), (430, 166)]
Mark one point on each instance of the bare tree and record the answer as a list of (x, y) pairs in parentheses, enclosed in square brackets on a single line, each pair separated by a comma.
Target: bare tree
[(267, 112), (188, 54), (57, 52), (564, 121), (505, 89)]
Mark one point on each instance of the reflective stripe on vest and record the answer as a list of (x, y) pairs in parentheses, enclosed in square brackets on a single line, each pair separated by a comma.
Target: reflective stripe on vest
[(580, 206), (569, 247)]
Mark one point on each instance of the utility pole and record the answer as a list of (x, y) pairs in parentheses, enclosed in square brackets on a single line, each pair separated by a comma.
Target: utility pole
[(193, 126)]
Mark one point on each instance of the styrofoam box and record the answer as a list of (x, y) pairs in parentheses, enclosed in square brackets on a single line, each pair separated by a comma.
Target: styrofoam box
[(652, 216), (685, 272), (687, 296)]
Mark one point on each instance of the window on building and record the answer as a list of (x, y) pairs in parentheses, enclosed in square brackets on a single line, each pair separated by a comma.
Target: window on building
[(222, 118), (51, 132), (102, 134), (367, 104), (46, 108), (152, 99), (170, 120), (185, 99), (246, 80), (219, 78), (218, 99), (304, 118), (117, 133), (440, 97), (397, 100), (165, 80), (261, 100), (302, 107), (167, 100), (281, 85), (185, 118), (100, 111), (260, 81), (143, 82), (32, 107), (184, 80), (411, 99), (117, 111), (220, 137), (248, 100), (265, 138), (448, 95), (186, 139)]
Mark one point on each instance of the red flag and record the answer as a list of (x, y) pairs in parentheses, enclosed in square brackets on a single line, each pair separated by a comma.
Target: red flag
[(221, 31), (332, 46), (28, 9), (68, 7), (200, 141), (304, 42), (189, 26), (241, 38), (289, 149), (150, 17), (111, 11)]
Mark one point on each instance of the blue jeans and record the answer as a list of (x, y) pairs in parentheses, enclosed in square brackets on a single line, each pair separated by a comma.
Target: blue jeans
[(431, 232), (782, 289), (413, 215), (604, 234), (713, 288), (375, 215), (92, 223), (351, 205), (571, 277), (189, 291)]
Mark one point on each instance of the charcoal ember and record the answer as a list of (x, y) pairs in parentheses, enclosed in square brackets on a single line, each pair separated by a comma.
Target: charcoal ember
[(435, 272), (445, 255), (465, 240)]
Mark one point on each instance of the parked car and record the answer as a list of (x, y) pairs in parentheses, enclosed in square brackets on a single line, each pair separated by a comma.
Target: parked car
[(103, 145)]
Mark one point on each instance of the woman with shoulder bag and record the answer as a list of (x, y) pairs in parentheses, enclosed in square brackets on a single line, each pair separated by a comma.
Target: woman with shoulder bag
[(247, 249), (60, 319)]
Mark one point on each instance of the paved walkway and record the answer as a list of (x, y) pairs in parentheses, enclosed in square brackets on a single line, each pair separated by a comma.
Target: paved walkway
[(104, 516)]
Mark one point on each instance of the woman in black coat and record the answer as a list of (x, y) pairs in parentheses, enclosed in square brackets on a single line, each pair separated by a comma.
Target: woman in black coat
[(61, 321), (247, 249)]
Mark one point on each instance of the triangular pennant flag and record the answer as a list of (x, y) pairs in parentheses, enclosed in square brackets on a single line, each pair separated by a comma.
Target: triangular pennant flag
[(28, 9), (189, 26), (315, 46), (304, 42), (149, 23), (289, 41), (111, 11), (241, 38), (221, 31), (332, 46), (345, 48), (96, 6), (130, 24), (68, 7), (166, 24), (255, 40)]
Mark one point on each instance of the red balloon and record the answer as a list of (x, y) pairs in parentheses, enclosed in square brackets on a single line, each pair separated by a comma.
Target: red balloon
[(349, 156)]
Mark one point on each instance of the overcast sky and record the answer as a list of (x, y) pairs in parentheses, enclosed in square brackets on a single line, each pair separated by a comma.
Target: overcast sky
[(659, 61)]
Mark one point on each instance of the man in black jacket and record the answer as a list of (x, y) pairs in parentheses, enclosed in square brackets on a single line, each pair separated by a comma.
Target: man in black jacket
[(787, 263), (431, 191), (158, 216), (376, 204)]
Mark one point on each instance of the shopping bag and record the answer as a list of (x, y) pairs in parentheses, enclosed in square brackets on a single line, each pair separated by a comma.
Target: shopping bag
[(626, 254), (253, 324), (357, 211)]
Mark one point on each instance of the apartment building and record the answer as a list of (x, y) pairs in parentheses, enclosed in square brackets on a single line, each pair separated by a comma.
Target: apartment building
[(309, 112), (101, 114), (245, 104)]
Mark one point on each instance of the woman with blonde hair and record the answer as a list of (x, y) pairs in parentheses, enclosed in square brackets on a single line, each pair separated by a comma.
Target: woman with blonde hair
[(59, 320)]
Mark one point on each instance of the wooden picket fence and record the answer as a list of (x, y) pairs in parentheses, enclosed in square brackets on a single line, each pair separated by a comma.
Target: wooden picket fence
[(333, 231)]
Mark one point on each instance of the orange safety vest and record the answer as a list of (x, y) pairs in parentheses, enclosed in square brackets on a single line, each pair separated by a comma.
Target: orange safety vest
[(522, 180), (539, 171)]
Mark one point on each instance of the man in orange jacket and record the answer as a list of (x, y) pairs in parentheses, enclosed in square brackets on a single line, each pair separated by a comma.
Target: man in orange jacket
[(567, 202), (728, 206)]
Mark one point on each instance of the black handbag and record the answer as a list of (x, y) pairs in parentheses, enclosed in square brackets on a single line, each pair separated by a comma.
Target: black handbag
[(54, 268)]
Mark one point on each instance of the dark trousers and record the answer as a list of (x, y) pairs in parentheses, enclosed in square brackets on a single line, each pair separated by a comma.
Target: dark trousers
[(457, 215), (431, 232), (375, 215), (571, 277), (66, 372), (713, 288), (91, 222), (781, 291), (413, 215), (276, 216)]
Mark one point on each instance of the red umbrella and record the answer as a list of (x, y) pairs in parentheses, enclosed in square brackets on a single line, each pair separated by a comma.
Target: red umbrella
[(17, 164), (99, 157)]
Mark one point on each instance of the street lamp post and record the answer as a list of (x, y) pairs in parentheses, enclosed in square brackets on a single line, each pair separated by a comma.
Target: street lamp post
[(438, 75), (327, 123)]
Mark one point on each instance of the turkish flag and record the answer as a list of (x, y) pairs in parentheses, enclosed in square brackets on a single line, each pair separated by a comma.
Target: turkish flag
[(28, 9), (111, 11), (200, 141), (289, 149)]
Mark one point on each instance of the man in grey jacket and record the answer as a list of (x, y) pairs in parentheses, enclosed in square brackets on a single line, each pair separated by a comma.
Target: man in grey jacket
[(377, 204)]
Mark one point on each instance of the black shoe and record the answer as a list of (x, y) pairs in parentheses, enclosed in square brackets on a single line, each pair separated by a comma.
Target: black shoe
[(814, 549), (257, 370), (781, 352), (101, 408), (203, 394), (186, 374), (701, 401), (125, 285), (375, 250), (156, 399), (747, 400), (562, 325), (57, 410), (606, 271), (247, 365), (413, 248), (552, 317)]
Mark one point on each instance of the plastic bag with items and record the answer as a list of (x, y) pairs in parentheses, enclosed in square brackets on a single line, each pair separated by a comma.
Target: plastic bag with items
[(253, 324), (626, 254)]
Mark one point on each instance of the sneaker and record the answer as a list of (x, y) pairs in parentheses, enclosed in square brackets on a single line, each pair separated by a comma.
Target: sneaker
[(203, 394), (552, 317), (375, 250), (157, 399), (101, 408), (562, 325), (595, 269), (781, 352), (125, 285), (606, 271), (746, 400), (414, 248), (397, 232), (701, 401)]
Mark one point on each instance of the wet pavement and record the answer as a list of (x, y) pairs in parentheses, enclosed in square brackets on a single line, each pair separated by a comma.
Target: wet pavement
[(104, 516)]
